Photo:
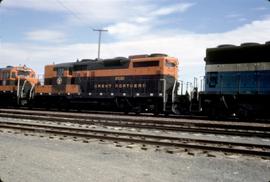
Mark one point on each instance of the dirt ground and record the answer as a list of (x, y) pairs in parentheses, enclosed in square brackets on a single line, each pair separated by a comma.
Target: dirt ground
[(35, 158)]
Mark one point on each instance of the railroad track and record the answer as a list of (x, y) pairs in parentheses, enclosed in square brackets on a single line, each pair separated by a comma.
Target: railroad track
[(172, 116), (157, 140), (198, 126)]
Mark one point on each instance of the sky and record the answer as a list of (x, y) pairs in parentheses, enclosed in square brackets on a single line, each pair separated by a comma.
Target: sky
[(41, 32)]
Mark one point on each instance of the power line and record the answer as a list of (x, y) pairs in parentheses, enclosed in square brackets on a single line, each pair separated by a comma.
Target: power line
[(79, 18), (69, 10)]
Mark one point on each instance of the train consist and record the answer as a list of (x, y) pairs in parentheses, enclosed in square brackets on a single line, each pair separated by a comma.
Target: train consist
[(237, 82)]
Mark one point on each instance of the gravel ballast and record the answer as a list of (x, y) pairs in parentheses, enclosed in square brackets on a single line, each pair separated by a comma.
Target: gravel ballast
[(32, 158)]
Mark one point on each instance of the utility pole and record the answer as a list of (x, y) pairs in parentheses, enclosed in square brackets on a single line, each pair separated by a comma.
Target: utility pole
[(99, 38)]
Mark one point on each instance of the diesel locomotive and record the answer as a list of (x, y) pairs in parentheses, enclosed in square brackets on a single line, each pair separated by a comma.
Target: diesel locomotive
[(17, 85), (137, 83), (237, 81)]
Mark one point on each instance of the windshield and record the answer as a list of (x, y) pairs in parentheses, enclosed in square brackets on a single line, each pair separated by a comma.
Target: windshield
[(23, 73)]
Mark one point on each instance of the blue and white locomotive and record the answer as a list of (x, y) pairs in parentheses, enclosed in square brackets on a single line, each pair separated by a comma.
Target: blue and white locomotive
[(237, 80)]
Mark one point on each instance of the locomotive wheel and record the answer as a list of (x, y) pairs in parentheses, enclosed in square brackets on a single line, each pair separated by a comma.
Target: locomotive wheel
[(156, 113), (157, 110), (126, 112), (244, 113), (22, 102), (138, 110), (175, 109)]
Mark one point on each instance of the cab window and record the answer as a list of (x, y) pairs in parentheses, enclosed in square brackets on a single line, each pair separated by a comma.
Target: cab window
[(146, 64), (170, 64), (23, 73), (60, 72), (70, 71), (6, 75), (13, 75)]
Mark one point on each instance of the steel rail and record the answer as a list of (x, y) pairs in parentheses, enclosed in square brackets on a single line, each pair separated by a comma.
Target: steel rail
[(214, 128), (161, 120), (148, 115), (210, 145)]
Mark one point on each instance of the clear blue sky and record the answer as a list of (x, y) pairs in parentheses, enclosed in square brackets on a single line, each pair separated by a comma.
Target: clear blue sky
[(41, 32)]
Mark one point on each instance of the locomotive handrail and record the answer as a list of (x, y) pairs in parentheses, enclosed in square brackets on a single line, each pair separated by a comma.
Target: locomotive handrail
[(31, 91), (18, 90), (164, 94), (23, 88), (173, 91), (173, 97)]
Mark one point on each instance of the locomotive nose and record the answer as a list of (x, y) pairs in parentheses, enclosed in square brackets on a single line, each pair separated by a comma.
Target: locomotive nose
[(25, 90)]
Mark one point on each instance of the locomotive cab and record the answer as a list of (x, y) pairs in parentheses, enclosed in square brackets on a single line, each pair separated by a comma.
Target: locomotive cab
[(162, 72)]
